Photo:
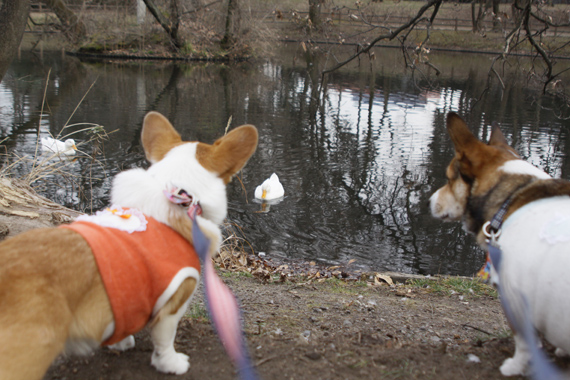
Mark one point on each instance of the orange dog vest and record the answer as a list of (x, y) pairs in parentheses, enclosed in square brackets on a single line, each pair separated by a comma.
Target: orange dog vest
[(140, 270)]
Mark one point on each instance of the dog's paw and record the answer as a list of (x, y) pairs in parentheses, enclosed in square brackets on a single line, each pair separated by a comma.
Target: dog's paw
[(512, 367), (125, 344), (171, 362)]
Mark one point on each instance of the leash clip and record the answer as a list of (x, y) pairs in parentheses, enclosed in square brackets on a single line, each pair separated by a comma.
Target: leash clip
[(491, 232)]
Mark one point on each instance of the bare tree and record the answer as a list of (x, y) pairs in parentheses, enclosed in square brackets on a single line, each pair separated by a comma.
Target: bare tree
[(73, 26), (13, 17), (231, 24), (315, 12), (169, 24)]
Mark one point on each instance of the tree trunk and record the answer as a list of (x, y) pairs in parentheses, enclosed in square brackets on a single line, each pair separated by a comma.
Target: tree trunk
[(13, 17), (315, 12), (141, 12), (476, 19), (496, 10), (473, 17), (170, 26), (229, 36), (75, 28)]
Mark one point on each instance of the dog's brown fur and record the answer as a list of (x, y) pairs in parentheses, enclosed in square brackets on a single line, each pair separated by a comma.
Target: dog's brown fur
[(50, 291), (473, 179)]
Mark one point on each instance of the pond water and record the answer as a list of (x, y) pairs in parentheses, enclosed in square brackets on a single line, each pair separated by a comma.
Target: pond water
[(358, 162)]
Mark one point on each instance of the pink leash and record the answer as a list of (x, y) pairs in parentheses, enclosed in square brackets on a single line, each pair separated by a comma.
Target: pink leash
[(221, 303)]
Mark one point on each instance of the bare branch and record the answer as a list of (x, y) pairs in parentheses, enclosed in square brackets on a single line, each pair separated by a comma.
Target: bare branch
[(537, 46), (389, 36), (546, 21)]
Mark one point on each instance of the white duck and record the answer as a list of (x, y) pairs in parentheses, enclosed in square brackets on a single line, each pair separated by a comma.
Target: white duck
[(59, 147), (270, 189)]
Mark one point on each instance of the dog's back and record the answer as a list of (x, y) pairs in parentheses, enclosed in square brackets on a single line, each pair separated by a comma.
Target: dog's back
[(535, 241)]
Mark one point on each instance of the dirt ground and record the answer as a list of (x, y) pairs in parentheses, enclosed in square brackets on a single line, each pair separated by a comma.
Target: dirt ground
[(330, 330)]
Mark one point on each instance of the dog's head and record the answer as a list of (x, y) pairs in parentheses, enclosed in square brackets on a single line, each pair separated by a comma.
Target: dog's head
[(479, 178), (201, 170)]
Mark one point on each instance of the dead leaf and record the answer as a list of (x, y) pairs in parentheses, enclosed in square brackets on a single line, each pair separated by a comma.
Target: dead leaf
[(382, 277)]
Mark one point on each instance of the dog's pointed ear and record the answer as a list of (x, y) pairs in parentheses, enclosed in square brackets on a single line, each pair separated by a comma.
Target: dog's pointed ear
[(158, 136), (497, 137), (229, 153), (469, 150), (498, 140), (463, 139)]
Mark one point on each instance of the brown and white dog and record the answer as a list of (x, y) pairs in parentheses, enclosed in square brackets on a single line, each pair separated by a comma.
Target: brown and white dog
[(54, 290), (535, 235)]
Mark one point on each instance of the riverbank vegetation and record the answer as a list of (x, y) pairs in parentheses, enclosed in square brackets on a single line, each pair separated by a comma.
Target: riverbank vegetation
[(259, 24), (251, 29)]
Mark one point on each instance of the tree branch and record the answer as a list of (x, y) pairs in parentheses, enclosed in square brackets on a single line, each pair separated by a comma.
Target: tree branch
[(391, 35), (538, 48)]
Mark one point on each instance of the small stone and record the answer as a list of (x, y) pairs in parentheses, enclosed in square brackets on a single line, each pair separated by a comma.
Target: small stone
[(473, 358), (313, 355)]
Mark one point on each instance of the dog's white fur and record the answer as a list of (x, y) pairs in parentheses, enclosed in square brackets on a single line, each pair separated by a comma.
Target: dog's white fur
[(535, 239), (143, 189), (53, 296), (523, 168), (536, 264)]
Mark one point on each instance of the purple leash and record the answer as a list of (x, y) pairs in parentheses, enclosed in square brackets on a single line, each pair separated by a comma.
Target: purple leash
[(221, 303), (223, 308)]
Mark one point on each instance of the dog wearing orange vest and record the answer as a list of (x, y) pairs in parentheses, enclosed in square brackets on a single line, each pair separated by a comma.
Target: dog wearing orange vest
[(78, 287)]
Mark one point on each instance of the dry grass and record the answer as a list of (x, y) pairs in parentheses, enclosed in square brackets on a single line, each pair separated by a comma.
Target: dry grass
[(57, 169)]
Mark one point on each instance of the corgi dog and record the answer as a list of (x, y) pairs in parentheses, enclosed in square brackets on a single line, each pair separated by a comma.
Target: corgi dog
[(83, 285), (483, 179)]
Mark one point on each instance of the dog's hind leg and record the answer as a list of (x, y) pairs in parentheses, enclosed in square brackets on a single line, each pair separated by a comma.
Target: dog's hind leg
[(517, 365), (31, 339), (163, 331)]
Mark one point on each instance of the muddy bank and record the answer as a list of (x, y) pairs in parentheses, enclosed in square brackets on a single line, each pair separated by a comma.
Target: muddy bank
[(330, 330)]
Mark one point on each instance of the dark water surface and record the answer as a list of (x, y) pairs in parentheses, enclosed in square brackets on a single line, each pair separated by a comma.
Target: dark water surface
[(358, 164)]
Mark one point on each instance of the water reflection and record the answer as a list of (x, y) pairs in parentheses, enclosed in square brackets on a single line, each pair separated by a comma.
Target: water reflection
[(358, 162)]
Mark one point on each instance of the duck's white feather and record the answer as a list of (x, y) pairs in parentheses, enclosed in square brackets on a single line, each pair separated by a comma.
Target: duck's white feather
[(270, 189), (52, 145)]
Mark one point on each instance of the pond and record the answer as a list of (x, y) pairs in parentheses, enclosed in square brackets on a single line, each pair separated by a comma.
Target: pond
[(358, 162)]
